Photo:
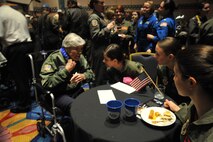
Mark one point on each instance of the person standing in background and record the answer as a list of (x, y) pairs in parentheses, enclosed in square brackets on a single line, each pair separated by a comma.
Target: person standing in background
[(48, 30), (135, 18), (123, 34), (110, 14), (166, 25), (196, 22), (75, 21), (100, 32), (206, 33), (145, 26), (16, 40)]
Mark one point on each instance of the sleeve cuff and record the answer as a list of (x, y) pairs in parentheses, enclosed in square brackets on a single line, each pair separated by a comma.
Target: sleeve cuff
[(106, 30), (64, 73)]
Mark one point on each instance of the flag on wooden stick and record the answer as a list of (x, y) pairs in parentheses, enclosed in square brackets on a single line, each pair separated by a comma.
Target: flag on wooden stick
[(139, 82)]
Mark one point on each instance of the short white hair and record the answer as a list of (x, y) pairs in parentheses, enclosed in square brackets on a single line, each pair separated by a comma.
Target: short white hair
[(73, 40)]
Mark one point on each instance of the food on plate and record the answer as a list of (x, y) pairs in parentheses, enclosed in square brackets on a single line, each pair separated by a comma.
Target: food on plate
[(157, 114), (167, 114), (158, 117), (155, 121), (151, 114)]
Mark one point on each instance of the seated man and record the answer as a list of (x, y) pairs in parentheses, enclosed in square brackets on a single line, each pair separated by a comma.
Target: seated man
[(64, 70)]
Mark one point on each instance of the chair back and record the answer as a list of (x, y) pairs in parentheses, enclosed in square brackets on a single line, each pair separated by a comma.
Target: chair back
[(149, 62)]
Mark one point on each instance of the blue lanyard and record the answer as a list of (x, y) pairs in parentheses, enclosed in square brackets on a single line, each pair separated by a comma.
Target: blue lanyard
[(64, 53)]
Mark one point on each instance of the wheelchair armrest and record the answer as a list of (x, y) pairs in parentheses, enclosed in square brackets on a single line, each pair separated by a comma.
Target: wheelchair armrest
[(41, 89)]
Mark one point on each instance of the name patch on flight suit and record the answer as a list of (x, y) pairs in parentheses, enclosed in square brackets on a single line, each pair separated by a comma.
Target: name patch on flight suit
[(164, 24), (94, 23), (47, 67)]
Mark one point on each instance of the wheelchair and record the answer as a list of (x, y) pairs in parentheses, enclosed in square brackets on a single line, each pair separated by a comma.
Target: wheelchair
[(42, 96)]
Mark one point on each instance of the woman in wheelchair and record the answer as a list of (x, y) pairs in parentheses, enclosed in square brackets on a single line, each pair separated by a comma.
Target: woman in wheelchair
[(118, 67), (64, 70)]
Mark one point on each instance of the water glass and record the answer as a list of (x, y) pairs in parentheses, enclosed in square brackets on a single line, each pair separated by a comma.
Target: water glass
[(159, 95)]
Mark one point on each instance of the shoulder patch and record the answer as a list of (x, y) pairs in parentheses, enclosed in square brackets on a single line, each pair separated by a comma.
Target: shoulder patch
[(164, 24), (94, 23), (47, 67)]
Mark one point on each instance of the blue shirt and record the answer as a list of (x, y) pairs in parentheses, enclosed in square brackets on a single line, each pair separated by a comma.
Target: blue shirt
[(145, 27), (166, 27)]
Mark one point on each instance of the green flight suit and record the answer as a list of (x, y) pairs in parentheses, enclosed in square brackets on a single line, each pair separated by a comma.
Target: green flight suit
[(56, 78), (200, 130), (100, 37), (131, 69)]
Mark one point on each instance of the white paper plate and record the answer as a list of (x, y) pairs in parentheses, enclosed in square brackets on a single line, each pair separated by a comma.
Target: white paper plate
[(164, 117)]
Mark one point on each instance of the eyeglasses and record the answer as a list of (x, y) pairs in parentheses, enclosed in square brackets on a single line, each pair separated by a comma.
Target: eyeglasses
[(76, 51)]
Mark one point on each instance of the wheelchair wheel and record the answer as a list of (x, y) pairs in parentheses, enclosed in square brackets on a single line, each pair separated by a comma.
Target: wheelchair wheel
[(41, 129)]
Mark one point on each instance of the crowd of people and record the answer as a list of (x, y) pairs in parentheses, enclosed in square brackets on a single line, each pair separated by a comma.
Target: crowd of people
[(95, 47)]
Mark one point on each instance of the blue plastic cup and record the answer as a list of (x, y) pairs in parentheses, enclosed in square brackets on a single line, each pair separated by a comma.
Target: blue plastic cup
[(131, 105), (114, 110)]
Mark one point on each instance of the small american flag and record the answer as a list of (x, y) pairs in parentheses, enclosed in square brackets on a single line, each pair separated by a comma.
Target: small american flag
[(140, 81)]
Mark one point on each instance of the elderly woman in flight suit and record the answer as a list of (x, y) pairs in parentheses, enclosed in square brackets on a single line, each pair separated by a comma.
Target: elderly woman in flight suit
[(64, 70)]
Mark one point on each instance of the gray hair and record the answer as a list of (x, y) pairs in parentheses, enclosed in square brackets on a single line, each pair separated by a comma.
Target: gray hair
[(72, 40)]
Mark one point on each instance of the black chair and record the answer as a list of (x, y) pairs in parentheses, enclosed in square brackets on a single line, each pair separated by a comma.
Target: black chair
[(45, 99), (149, 62)]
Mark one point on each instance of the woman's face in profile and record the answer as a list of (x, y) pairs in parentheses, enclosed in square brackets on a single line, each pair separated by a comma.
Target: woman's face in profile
[(107, 61), (161, 8), (181, 83), (99, 6), (160, 56)]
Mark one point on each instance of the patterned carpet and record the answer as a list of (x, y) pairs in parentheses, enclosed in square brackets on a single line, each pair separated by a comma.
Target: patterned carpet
[(22, 126)]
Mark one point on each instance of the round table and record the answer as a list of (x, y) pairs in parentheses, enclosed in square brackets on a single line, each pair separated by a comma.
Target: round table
[(91, 125)]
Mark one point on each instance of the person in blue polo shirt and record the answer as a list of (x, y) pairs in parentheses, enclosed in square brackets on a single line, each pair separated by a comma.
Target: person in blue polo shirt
[(166, 26)]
